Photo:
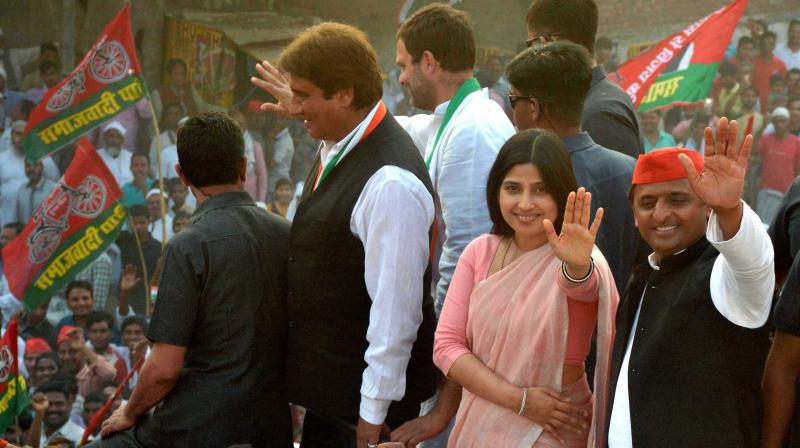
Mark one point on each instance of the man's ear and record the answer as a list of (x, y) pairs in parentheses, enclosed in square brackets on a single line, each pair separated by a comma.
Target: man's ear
[(428, 63), (243, 169), (182, 176), (535, 110)]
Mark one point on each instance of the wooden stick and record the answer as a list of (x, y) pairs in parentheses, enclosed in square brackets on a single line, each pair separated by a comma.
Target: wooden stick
[(144, 269), (160, 173)]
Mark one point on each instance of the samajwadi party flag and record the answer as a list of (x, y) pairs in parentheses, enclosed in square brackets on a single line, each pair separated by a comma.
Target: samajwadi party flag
[(14, 396), (680, 69), (107, 80), (73, 226)]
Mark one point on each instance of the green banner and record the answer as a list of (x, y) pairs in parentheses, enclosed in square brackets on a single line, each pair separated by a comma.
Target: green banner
[(13, 401), (60, 129), (75, 254), (689, 86)]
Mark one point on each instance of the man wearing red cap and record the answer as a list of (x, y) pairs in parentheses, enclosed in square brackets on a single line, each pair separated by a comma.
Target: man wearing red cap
[(34, 348), (690, 340), (92, 372)]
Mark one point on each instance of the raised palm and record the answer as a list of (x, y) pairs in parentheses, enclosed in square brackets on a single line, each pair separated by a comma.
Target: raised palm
[(575, 243), (272, 81), (128, 279), (721, 181)]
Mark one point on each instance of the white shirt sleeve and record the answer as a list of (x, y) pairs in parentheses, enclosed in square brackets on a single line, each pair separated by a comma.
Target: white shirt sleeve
[(392, 218), (743, 276)]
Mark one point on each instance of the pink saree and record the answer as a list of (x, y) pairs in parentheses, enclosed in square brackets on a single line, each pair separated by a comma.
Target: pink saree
[(517, 326)]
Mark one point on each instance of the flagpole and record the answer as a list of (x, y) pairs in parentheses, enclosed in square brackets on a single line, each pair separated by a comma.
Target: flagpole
[(160, 172), (144, 268)]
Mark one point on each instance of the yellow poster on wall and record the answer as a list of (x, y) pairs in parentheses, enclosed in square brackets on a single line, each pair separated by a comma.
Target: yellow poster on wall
[(209, 55)]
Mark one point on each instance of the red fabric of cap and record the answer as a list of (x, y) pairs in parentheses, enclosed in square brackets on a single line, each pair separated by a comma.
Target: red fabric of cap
[(64, 332), (37, 345), (663, 165), (254, 106)]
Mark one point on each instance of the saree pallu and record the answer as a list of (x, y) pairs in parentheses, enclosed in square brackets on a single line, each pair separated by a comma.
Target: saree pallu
[(517, 326)]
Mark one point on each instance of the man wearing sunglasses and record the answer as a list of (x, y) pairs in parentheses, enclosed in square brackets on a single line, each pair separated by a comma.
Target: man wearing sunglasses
[(608, 114)]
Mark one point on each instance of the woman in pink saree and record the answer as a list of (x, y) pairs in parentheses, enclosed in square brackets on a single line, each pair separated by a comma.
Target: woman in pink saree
[(519, 315)]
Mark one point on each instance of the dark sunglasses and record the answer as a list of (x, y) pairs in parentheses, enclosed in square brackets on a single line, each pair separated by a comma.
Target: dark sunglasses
[(514, 98)]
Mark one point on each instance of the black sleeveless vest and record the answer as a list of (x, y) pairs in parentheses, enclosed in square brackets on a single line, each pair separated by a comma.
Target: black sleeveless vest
[(694, 378), (328, 302)]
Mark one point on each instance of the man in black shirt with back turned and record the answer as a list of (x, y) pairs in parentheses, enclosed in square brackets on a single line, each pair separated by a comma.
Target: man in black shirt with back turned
[(219, 323), (608, 114)]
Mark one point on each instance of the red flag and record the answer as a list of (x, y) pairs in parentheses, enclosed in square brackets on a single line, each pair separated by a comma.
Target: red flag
[(72, 227), (679, 70), (106, 81)]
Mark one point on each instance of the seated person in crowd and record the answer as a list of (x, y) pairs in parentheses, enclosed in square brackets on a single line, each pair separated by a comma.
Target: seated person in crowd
[(46, 366), (91, 371), (100, 326), (34, 349), (55, 420)]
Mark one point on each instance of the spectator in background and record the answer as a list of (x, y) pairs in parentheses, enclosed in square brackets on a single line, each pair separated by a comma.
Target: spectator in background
[(133, 192), (745, 50), (116, 157), (151, 250), (794, 118), (284, 192), (256, 183), (90, 370), (34, 349), (12, 173), (604, 53), (98, 274), (80, 303), (749, 100), (487, 79), (177, 89), (10, 100), (31, 194), (20, 112), (157, 224), (100, 326), (47, 52), (91, 405), (177, 197), (654, 137), (777, 92), (728, 95), (766, 64), (13, 59), (47, 366), (793, 82), (282, 152), (135, 120), (170, 118), (180, 220), (608, 114), (696, 140), (50, 71), (789, 52), (33, 325), (780, 164), (56, 421)]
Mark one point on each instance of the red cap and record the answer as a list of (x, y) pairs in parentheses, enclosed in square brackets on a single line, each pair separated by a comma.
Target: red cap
[(254, 106), (662, 165), (37, 345), (64, 332)]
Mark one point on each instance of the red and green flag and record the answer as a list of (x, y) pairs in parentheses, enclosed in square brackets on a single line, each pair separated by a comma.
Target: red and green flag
[(680, 69), (70, 229), (14, 398), (106, 82)]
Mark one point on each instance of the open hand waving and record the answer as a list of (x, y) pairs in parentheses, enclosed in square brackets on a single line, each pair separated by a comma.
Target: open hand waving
[(575, 243)]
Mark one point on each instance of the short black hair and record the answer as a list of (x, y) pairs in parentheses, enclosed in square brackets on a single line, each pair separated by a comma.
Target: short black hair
[(767, 34), (55, 385), (444, 31), (44, 66), (574, 20), (776, 79), (284, 181), (141, 154), (51, 355), (727, 69), (557, 74), (174, 182), (26, 106), (547, 152), (210, 149), (754, 89), (99, 316), (138, 210), (47, 46), (745, 40), (17, 226), (82, 284), (793, 70), (174, 62), (134, 320)]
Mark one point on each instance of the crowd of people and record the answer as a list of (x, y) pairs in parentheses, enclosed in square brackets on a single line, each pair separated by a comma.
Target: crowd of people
[(509, 256)]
